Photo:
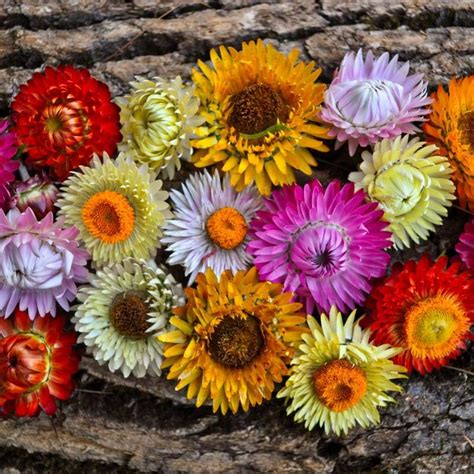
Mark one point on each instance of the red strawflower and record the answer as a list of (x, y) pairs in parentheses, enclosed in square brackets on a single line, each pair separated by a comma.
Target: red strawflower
[(63, 116), (426, 308), (37, 362)]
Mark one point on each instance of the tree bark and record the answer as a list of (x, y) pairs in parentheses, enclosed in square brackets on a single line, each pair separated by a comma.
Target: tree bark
[(122, 425)]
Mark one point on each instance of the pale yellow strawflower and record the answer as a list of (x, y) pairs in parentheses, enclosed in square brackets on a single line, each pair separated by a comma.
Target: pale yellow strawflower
[(411, 183), (339, 378), (118, 206), (158, 119)]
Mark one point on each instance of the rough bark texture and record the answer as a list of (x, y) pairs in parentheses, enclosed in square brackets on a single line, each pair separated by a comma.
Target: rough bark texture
[(119, 425)]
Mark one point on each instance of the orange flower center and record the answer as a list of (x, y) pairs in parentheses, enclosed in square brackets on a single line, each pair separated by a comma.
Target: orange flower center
[(435, 326), (129, 314), (227, 228), (466, 127), (340, 385), (256, 108), (109, 216), (236, 340)]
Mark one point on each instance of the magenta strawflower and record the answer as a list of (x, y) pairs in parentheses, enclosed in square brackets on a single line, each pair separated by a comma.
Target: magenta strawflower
[(7, 165), (38, 193), (40, 264), (323, 244), (465, 246), (373, 99)]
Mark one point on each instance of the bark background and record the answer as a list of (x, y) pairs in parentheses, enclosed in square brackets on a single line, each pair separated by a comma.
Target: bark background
[(117, 425)]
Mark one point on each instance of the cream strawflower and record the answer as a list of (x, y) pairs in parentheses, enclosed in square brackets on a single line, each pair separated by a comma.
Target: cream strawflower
[(122, 311), (338, 377), (411, 183), (158, 119), (118, 207)]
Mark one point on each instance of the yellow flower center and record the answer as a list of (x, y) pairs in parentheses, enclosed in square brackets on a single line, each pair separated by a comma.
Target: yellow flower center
[(236, 341), (129, 314), (466, 127), (227, 228), (434, 326), (109, 216), (53, 124), (340, 385), (256, 108)]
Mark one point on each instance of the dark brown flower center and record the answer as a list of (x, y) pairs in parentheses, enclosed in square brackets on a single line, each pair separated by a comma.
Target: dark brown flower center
[(466, 127), (236, 341), (256, 108), (129, 314)]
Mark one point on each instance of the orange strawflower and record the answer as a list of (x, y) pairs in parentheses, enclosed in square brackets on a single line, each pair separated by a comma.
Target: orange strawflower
[(451, 127)]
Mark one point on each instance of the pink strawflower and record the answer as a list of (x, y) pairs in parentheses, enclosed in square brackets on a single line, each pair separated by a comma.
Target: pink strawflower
[(7, 165), (37, 193), (373, 99), (465, 246), (40, 264), (323, 245)]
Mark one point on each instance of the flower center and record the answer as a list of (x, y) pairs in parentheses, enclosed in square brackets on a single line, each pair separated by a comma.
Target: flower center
[(227, 228), (434, 326), (129, 314), (256, 108), (398, 188), (340, 385), (236, 341), (320, 251), (156, 122), (28, 360), (53, 124), (65, 124), (109, 216), (371, 102), (13, 361), (466, 127)]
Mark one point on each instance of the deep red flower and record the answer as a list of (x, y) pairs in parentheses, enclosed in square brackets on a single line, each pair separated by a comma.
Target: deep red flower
[(63, 116), (37, 362), (426, 308)]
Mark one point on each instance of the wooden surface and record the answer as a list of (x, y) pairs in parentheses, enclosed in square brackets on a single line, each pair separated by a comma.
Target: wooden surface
[(117, 425)]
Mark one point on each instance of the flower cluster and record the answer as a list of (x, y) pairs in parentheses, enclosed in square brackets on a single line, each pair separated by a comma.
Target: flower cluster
[(276, 264)]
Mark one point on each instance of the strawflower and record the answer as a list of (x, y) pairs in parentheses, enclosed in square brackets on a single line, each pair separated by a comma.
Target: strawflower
[(339, 378), (37, 363), (261, 111), (62, 117), (426, 308), (373, 98), (40, 264), (232, 340), (412, 184), (325, 245), (210, 225)]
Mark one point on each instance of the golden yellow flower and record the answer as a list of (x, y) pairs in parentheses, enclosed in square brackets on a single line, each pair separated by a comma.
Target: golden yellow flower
[(451, 127), (260, 108), (232, 340)]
